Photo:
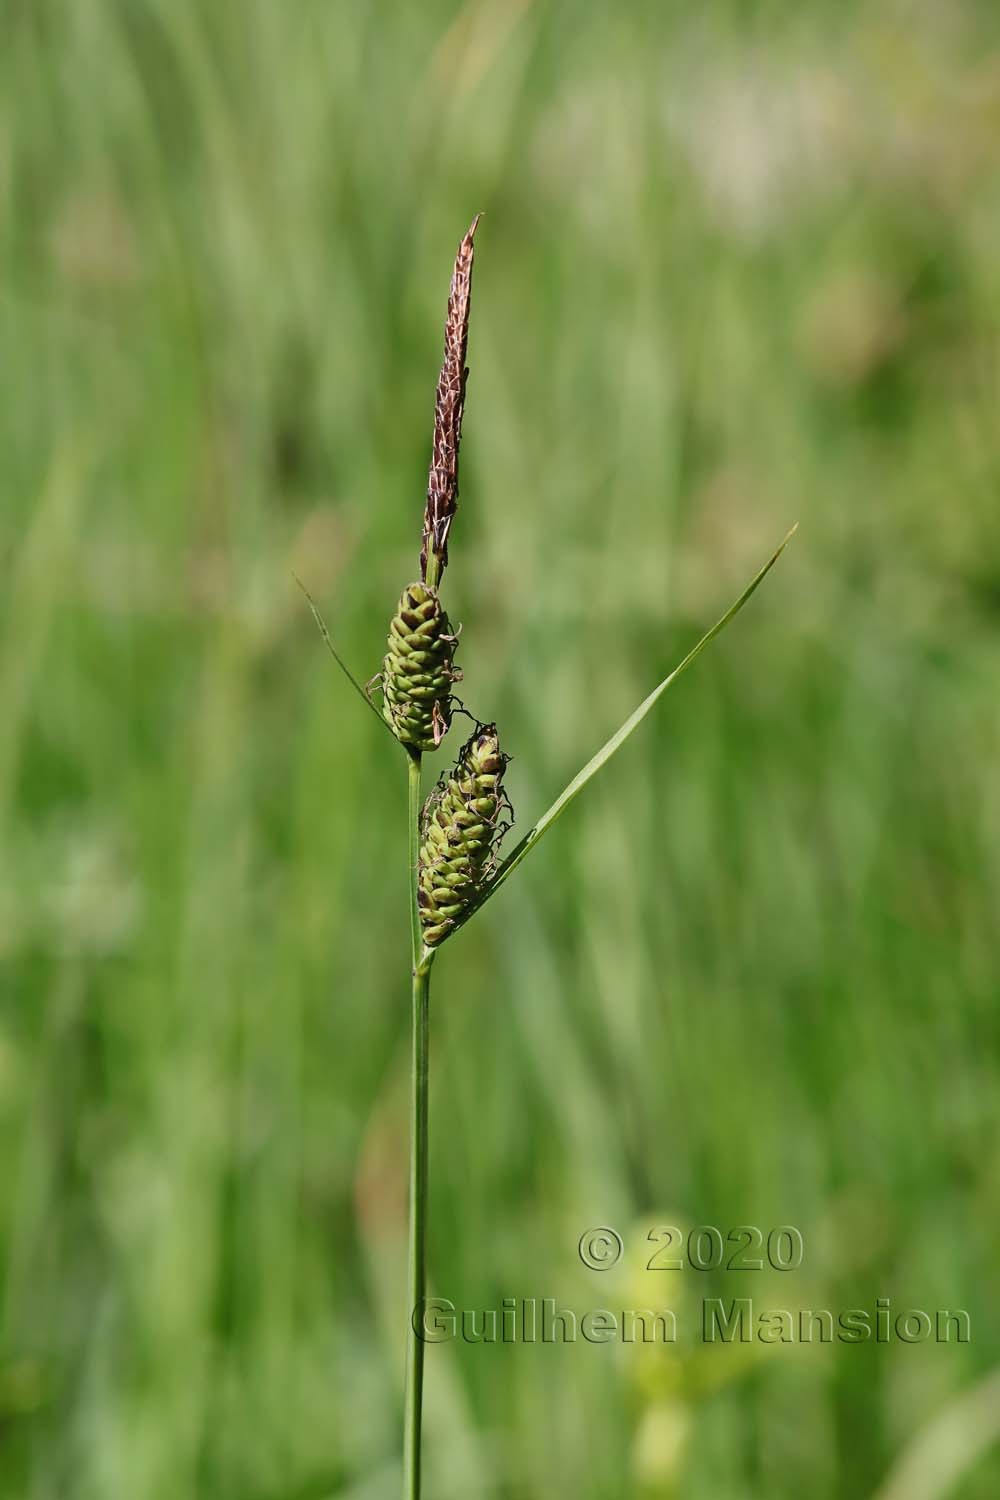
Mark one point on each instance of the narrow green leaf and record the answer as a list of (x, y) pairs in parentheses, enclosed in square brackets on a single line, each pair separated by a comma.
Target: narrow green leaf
[(341, 663), (615, 743)]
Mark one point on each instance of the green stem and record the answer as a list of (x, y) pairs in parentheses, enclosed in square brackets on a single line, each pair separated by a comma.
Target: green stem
[(413, 823), (416, 1280)]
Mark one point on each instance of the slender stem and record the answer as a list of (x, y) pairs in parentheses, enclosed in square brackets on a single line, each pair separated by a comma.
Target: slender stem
[(416, 1279), (418, 1220), (413, 823)]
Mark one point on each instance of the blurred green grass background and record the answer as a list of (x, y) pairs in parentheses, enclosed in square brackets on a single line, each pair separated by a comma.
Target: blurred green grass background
[(738, 267)]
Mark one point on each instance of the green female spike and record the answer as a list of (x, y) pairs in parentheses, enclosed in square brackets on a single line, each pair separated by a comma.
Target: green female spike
[(462, 827), (419, 670)]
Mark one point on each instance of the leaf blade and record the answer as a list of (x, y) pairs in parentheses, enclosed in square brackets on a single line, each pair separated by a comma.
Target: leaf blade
[(341, 663), (609, 748)]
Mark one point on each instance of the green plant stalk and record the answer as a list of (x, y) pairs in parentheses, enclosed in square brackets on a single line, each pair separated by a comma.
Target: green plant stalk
[(422, 958), (413, 764), (421, 961)]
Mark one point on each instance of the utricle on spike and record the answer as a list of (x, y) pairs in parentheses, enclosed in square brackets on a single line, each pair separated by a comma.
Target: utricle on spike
[(461, 828), (419, 669)]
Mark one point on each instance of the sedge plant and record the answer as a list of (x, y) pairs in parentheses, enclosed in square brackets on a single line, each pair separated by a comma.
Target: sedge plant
[(454, 834)]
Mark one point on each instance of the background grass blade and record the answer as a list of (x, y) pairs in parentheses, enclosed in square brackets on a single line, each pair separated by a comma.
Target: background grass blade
[(616, 741)]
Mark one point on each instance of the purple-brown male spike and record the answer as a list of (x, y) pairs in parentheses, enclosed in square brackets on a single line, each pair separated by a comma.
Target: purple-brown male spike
[(442, 485)]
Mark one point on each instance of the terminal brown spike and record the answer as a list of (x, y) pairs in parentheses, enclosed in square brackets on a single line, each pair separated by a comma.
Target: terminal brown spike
[(442, 484)]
